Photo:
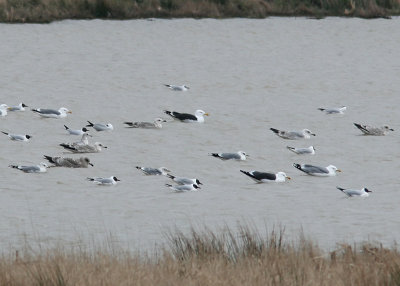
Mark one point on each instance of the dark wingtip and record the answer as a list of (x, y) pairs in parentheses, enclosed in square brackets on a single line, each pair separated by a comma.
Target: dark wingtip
[(274, 130), (4, 132), (339, 188), (322, 109), (66, 127), (215, 155), (297, 166)]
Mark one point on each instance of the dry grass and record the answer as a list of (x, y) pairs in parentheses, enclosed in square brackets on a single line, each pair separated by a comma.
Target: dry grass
[(209, 258), (43, 11)]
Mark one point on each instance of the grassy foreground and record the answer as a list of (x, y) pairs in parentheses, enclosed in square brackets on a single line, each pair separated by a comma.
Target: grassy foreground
[(209, 258), (44, 11)]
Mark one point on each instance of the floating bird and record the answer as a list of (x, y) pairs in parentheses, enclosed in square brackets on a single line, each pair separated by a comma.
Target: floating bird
[(84, 148), (293, 135), (52, 113), (184, 181), (41, 168), (228, 156), (3, 109), (153, 171), (263, 177), (19, 107), (302, 151), (364, 192), (82, 162), (104, 181), (147, 125), (337, 110), (76, 131), (100, 126), (316, 170), (186, 117), (376, 131), (177, 87), (183, 188), (18, 137)]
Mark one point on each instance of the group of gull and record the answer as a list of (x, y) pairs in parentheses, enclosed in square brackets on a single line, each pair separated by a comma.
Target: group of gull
[(183, 184)]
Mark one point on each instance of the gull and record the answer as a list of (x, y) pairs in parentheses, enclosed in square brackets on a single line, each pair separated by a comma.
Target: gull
[(369, 130), (241, 156), (41, 168), (83, 148), (104, 181), (183, 181), (293, 135), (52, 113), (76, 131), (82, 162), (19, 107), (3, 109), (183, 188), (337, 110), (364, 192), (153, 171), (148, 125), (177, 87), (18, 137), (186, 117), (301, 151), (263, 177), (100, 126), (316, 170)]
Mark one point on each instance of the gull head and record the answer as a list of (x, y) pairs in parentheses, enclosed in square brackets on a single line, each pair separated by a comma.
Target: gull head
[(200, 112)]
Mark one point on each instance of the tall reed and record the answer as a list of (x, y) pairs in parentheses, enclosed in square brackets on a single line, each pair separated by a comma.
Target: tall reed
[(206, 257)]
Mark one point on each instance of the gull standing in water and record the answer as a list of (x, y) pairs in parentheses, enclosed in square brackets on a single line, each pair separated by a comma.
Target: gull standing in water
[(364, 192), (301, 151), (82, 162), (177, 87), (263, 177), (316, 170), (184, 181), (153, 171), (376, 131), (84, 148), (19, 107), (18, 137), (157, 124), (240, 156), (186, 117), (334, 110), (41, 168), (183, 188), (52, 113), (76, 131), (104, 181), (100, 126), (293, 135)]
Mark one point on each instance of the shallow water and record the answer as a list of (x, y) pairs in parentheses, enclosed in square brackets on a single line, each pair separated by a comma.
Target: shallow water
[(250, 75)]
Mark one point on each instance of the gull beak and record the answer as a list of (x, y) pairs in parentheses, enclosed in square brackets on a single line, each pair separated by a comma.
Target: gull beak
[(105, 147), (91, 164), (391, 129), (69, 111), (312, 134), (8, 108), (206, 114), (338, 170), (288, 178)]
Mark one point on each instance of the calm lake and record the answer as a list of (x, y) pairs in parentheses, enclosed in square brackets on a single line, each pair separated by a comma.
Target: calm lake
[(249, 75)]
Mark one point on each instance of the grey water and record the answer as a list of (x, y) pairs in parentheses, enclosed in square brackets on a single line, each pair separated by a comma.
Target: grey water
[(249, 75)]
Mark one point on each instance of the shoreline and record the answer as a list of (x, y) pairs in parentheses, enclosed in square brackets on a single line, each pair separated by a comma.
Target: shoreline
[(47, 11)]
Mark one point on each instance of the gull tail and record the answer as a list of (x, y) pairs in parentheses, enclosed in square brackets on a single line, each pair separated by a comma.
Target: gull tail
[(138, 167), (35, 110), (168, 112), (50, 159), (322, 109), (90, 124), (13, 166), (248, 174), (128, 123), (215, 155), (4, 132), (90, 179), (66, 127), (168, 85), (339, 188), (297, 166), (276, 131), (67, 146), (291, 148), (359, 126), (168, 185), (170, 176)]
